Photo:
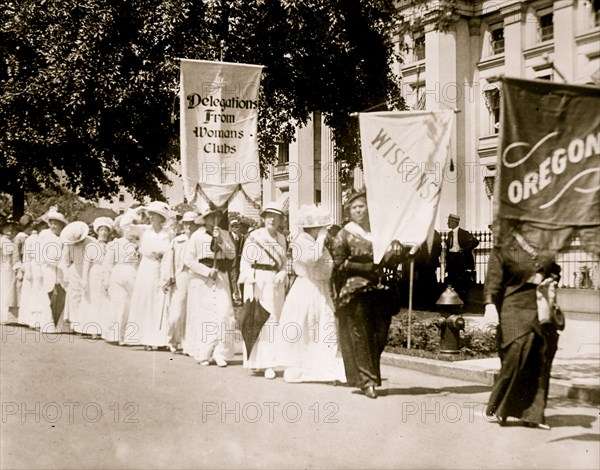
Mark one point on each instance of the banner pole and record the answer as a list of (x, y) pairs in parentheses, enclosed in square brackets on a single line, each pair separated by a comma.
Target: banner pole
[(410, 298)]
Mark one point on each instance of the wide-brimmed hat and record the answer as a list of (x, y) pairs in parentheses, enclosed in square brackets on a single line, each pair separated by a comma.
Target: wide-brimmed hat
[(74, 232), (160, 208), (274, 208), (312, 216), (55, 215), (103, 222), (189, 216), (8, 222)]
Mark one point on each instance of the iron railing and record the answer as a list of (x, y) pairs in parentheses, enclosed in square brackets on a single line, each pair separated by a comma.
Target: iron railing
[(580, 270)]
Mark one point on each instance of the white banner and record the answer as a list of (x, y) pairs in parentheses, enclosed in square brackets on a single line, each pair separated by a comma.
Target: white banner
[(404, 155), (219, 121)]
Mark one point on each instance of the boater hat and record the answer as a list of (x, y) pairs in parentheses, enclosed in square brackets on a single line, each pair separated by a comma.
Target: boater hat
[(454, 217), (273, 208), (189, 216)]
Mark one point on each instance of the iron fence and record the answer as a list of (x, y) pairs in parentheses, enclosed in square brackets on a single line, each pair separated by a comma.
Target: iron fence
[(579, 268)]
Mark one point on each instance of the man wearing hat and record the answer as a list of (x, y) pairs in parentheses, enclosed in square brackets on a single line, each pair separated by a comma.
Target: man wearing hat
[(234, 229), (460, 263), (210, 324)]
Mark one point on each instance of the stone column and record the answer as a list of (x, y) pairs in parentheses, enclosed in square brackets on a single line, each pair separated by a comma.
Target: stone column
[(331, 190)]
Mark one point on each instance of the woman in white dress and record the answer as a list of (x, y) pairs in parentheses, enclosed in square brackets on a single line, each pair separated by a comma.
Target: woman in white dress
[(307, 340), (95, 299), (210, 323), (75, 241), (28, 299), (9, 265), (120, 266), (49, 275), (175, 280), (263, 273), (146, 324)]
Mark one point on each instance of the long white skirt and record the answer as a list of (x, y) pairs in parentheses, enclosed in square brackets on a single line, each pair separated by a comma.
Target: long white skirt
[(93, 302), (145, 325), (306, 344), (210, 323), (114, 318), (8, 294)]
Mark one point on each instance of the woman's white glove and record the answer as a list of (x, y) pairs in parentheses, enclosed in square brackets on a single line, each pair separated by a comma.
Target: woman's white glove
[(491, 316)]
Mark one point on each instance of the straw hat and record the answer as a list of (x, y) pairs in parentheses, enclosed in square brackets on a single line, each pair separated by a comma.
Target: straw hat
[(312, 216), (55, 215), (103, 222), (274, 208), (74, 232), (454, 217), (189, 216), (160, 208)]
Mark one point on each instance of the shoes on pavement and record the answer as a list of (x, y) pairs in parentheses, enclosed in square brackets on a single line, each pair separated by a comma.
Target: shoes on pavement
[(527, 424), (221, 362), (204, 363), (370, 391), (269, 374)]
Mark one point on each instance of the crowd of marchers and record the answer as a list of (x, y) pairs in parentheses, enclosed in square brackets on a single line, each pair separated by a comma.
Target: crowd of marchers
[(151, 279)]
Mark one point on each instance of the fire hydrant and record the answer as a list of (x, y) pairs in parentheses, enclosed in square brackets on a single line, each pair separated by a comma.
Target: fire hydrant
[(451, 323)]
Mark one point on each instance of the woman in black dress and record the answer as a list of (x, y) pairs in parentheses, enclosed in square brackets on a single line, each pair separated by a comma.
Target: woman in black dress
[(366, 297), (526, 347)]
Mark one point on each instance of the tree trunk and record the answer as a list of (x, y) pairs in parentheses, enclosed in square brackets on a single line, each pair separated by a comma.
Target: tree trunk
[(18, 200)]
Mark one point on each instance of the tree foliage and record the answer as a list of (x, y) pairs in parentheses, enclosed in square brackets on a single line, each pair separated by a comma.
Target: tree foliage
[(89, 88)]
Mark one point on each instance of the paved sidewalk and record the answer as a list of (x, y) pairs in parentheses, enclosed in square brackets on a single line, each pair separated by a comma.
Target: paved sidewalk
[(575, 370)]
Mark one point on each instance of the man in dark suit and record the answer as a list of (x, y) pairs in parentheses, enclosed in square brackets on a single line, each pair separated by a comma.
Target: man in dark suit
[(460, 263), (427, 261)]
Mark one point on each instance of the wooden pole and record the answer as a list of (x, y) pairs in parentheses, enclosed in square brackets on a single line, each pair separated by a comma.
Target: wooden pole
[(410, 298)]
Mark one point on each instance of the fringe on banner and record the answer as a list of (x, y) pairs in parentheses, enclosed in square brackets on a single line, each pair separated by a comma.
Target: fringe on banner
[(239, 188)]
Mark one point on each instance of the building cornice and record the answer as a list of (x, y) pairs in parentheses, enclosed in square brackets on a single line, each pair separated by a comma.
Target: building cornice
[(491, 62), (588, 36), (515, 12), (539, 49), (414, 68)]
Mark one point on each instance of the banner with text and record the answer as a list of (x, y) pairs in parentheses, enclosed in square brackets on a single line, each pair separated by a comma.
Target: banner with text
[(404, 160), (548, 168), (219, 120)]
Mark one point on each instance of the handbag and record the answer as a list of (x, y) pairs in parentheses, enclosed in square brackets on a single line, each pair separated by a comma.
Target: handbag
[(547, 307)]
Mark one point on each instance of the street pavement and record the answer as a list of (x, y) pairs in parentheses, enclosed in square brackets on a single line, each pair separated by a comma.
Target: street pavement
[(575, 369), (70, 402)]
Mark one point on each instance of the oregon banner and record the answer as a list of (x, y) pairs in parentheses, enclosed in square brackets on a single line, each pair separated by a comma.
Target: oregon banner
[(548, 166), (404, 159), (219, 118)]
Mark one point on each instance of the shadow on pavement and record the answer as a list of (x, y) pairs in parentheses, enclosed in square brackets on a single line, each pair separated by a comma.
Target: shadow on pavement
[(466, 389)]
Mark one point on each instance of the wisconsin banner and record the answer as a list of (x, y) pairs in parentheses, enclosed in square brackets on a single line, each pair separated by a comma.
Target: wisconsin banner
[(548, 171), (219, 119), (404, 157)]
